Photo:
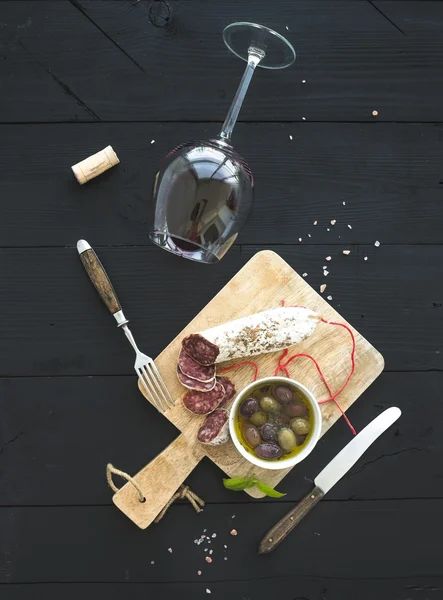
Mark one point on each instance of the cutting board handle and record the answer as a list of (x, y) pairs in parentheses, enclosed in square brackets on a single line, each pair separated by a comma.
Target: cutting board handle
[(159, 481)]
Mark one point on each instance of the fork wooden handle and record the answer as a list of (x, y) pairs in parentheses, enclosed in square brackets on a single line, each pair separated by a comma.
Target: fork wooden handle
[(98, 276)]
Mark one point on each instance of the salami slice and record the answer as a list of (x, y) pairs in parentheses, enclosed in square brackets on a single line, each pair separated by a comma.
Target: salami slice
[(191, 368), (200, 349), (229, 390), (215, 429), (203, 403), (194, 384)]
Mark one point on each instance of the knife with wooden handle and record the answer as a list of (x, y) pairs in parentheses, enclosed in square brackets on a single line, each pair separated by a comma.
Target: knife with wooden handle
[(331, 474)]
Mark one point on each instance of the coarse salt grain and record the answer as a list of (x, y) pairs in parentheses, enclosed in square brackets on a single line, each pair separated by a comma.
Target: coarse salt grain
[(374, 113), (208, 559), (211, 551), (328, 258), (315, 222), (205, 550), (309, 235), (329, 297), (287, 28), (290, 137), (333, 222), (225, 558), (208, 591), (346, 252), (233, 532), (350, 226), (325, 272), (199, 572), (344, 203), (224, 546), (152, 141), (303, 80), (233, 517), (366, 258), (305, 274), (377, 244), (299, 239), (322, 288), (170, 550), (214, 535), (152, 562), (327, 229), (303, 118)]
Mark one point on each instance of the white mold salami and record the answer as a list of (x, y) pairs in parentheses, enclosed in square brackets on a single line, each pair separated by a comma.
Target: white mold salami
[(215, 429), (263, 332)]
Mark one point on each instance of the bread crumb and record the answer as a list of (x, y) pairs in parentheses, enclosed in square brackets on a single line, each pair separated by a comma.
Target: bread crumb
[(208, 559), (333, 222), (374, 113), (233, 532), (322, 288), (199, 572), (346, 252), (170, 550)]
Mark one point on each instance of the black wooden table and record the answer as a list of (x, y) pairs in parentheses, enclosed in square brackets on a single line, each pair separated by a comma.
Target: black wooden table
[(78, 75)]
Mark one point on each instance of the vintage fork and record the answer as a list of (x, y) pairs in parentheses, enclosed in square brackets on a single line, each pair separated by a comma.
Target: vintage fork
[(144, 365)]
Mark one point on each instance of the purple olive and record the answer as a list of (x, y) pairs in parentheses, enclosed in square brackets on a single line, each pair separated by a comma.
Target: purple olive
[(284, 394), (268, 450), (300, 439), (251, 435), (269, 432), (248, 407), (296, 408), (280, 419)]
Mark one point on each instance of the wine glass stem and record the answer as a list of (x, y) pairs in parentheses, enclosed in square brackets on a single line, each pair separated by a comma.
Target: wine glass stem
[(255, 56)]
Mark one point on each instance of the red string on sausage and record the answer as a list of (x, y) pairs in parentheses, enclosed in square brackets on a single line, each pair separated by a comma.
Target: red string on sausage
[(283, 367)]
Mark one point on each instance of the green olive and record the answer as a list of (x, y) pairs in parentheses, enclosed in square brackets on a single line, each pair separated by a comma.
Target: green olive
[(287, 439), (300, 426), (259, 418), (269, 404)]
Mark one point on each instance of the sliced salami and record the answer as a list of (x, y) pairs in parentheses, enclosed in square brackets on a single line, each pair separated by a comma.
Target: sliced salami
[(191, 368), (194, 384), (203, 403), (200, 349), (215, 429), (229, 389)]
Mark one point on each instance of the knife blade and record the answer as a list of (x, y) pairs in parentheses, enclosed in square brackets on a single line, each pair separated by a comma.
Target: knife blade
[(329, 476)]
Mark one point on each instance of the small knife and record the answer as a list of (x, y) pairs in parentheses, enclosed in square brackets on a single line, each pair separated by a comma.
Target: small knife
[(330, 475)]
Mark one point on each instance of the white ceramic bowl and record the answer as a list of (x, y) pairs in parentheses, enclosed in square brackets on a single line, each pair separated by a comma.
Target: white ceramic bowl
[(314, 435)]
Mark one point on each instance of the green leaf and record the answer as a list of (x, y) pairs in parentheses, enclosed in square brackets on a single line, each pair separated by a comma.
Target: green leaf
[(237, 484), (268, 490)]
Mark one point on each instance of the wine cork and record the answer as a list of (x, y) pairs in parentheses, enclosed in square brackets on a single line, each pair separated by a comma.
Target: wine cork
[(95, 165)]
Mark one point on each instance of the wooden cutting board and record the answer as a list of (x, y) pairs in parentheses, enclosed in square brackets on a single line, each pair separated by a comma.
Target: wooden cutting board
[(261, 284)]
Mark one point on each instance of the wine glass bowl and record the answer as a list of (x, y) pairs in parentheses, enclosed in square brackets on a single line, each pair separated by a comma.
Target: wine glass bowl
[(203, 192)]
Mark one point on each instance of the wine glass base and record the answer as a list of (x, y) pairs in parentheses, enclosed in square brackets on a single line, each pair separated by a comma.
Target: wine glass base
[(242, 37), (183, 248)]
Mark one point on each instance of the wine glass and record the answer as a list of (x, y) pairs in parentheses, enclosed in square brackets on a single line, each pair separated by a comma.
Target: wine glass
[(203, 192)]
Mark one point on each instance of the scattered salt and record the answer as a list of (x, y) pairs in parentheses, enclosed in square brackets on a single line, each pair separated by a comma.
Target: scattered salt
[(350, 226), (299, 239), (199, 572), (233, 532), (329, 297), (208, 591), (328, 258), (303, 80), (205, 530), (344, 203), (333, 222), (309, 235), (211, 551), (170, 550), (346, 252), (305, 274), (225, 558), (325, 272), (322, 288), (327, 229), (152, 141), (290, 137), (287, 28), (366, 258), (233, 517), (205, 550), (303, 118), (208, 559), (224, 546), (315, 222), (374, 113), (214, 535), (377, 244), (152, 562)]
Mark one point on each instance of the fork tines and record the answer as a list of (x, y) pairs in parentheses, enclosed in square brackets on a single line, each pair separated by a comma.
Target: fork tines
[(155, 387)]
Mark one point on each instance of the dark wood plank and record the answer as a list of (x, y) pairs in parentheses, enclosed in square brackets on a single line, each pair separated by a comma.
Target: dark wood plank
[(340, 540), (306, 588), (53, 322), (118, 66), (58, 434), (389, 176)]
